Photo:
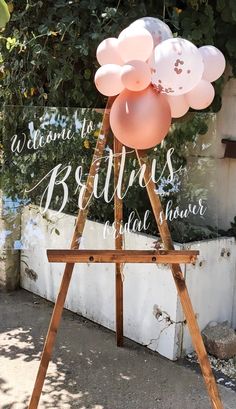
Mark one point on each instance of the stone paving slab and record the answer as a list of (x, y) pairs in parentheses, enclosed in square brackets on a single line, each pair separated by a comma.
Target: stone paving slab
[(88, 371)]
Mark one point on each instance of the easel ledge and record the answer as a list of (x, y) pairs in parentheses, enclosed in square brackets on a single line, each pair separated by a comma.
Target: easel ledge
[(123, 256)]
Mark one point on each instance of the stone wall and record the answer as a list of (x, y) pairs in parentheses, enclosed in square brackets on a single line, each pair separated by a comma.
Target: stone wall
[(9, 258)]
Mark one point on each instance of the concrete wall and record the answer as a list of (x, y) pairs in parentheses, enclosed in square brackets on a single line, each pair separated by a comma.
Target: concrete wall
[(209, 148), (152, 312), (91, 292), (212, 284)]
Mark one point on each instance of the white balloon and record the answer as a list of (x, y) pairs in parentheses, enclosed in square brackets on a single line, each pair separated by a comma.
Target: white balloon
[(176, 66), (214, 62), (159, 30)]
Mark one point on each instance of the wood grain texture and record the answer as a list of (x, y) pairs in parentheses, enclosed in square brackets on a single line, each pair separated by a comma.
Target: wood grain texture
[(75, 243), (122, 256), (181, 287), (118, 216)]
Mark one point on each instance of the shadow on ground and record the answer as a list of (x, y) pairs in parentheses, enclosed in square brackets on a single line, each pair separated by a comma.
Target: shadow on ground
[(87, 370)]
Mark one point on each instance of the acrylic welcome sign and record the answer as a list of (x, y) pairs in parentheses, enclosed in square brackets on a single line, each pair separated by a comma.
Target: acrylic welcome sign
[(47, 154)]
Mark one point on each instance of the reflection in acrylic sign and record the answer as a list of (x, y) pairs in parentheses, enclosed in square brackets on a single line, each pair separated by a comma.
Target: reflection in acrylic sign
[(50, 150)]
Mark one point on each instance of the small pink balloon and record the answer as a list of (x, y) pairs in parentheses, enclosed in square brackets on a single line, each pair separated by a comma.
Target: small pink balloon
[(178, 105), (214, 62), (107, 52), (108, 81), (136, 75), (201, 96), (140, 120), (135, 44)]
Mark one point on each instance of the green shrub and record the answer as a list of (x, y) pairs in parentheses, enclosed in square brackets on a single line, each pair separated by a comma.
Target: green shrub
[(48, 49)]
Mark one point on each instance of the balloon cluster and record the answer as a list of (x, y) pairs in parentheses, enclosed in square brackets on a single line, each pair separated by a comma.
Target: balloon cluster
[(157, 77)]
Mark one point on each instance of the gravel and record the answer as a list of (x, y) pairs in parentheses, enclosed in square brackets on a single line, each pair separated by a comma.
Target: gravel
[(224, 369)]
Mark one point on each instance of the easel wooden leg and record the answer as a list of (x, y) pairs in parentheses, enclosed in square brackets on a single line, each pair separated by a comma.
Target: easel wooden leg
[(51, 336), (80, 223), (118, 210), (182, 289)]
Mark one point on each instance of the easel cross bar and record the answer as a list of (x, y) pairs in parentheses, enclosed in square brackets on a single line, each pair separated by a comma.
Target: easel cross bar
[(122, 256)]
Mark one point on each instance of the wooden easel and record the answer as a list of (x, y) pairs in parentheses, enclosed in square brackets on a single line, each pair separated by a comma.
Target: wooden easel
[(118, 256)]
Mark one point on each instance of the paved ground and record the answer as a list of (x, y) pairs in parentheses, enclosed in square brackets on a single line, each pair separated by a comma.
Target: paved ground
[(88, 371)]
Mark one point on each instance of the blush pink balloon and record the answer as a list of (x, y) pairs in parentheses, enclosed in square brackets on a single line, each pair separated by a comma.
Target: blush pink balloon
[(201, 96), (136, 75), (107, 52), (135, 44), (108, 81), (214, 62), (178, 105), (140, 120)]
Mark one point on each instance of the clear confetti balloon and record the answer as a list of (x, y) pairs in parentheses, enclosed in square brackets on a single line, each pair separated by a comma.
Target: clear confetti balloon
[(159, 30), (176, 66)]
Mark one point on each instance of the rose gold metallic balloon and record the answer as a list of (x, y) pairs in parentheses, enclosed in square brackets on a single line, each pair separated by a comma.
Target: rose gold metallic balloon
[(140, 120)]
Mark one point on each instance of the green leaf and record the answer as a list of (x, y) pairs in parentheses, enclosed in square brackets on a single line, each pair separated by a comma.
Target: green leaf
[(4, 14), (220, 5), (87, 74), (232, 4)]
